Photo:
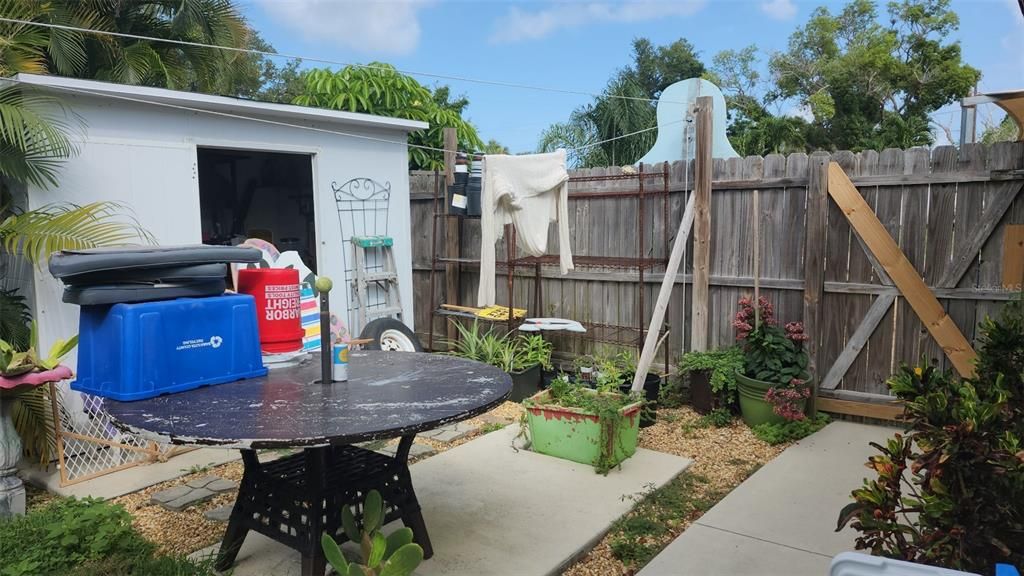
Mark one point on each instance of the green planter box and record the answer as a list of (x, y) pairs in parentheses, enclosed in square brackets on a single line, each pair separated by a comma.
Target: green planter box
[(574, 434), (754, 408)]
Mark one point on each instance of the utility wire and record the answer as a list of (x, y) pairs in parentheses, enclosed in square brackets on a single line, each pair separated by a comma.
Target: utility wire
[(326, 61), (289, 125)]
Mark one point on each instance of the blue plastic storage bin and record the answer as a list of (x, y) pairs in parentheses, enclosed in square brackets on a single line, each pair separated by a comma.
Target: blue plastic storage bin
[(137, 351)]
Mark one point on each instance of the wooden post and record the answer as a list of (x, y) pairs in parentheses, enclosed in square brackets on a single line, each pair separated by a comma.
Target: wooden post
[(451, 229), (658, 313), (814, 264), (701, 225), (756, 225)]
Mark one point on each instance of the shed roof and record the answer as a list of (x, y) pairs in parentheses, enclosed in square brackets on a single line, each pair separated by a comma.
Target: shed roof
[(221, 104)]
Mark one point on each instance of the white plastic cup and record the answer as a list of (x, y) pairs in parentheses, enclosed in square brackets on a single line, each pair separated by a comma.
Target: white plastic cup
[(339, 372)]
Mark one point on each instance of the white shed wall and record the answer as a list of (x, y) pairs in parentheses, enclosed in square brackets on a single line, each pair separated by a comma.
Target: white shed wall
[(144, 156)]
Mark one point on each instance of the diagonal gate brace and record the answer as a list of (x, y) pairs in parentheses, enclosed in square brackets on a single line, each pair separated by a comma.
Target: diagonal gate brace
[(900, 270)]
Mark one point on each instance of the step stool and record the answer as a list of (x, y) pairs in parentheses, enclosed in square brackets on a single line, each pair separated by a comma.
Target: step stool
[(386, 279)]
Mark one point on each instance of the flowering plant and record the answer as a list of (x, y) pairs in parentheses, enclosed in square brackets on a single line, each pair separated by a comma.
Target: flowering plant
[(774, 354)]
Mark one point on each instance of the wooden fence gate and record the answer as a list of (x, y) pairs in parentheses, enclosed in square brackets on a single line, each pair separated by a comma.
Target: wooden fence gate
[(957, 216)]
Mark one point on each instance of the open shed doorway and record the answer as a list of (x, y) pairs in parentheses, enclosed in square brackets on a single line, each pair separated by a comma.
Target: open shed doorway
[(256, 194)]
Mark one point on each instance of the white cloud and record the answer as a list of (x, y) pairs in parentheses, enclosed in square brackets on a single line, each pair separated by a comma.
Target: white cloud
[(779, 9), (391, 27), (517, 25)]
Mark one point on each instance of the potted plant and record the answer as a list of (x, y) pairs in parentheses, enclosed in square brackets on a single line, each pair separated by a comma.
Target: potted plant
[(712, 376), (535, 354), (625, 363), (21, 372), (521, 357), (774, 384), (585, 366), (596, 426)]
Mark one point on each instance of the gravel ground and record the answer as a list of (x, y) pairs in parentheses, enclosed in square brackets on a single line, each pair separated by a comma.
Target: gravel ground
[(723, 456), (187, 531)]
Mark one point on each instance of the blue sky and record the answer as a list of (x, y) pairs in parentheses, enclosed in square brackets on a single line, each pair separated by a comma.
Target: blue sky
[(577, 45)]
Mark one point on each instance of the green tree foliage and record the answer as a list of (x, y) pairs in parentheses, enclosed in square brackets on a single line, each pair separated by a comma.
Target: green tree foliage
[(869, 85), (1005, 131), (494, 147), (127, 60), (378, 88), (753, 130), (573, 136), (260, 77), (658, 67)]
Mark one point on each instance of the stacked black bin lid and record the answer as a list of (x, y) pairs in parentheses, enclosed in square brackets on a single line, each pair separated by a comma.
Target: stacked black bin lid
[(142, 274), (457, 202)]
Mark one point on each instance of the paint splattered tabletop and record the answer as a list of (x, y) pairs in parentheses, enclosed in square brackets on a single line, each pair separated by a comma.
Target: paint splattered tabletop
[(388, 394)]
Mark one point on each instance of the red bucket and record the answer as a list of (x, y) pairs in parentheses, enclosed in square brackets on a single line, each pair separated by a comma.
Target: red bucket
[(276, 291)]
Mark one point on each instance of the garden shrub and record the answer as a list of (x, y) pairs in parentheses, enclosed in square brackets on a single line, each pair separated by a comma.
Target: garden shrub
[(790, 430), (86, 537), (949, 491)]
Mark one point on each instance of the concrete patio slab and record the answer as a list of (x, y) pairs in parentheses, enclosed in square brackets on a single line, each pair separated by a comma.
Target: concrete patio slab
[(492, 510), (788, 508), (712, 552), (131, 479)]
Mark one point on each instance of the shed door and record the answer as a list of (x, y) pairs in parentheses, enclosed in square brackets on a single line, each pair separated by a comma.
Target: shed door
[(155, 182)]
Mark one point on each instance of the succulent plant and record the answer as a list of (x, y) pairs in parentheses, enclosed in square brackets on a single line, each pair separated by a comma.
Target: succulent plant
[(394, 555)]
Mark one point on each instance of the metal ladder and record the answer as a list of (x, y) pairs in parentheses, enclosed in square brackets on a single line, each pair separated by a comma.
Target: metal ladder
[(386, 279)]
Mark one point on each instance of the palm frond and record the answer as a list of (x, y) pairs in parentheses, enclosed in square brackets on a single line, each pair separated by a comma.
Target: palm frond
[(33, 136), (22, 46), (32, 413), (15, 318), (38, 233)]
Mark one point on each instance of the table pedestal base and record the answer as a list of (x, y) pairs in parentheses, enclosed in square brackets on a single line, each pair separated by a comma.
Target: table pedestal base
[(293, 500)]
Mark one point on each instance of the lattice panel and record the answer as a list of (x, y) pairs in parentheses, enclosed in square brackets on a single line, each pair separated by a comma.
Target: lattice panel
[(89, 445)]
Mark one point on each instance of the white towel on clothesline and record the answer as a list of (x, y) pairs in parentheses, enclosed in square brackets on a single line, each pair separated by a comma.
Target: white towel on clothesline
[(529, 192)]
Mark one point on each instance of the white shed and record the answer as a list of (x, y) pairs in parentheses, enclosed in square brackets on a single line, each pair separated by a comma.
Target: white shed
[(199, 168)]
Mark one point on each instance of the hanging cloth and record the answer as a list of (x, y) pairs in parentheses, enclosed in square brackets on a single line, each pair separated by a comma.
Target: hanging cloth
[(529, 192)]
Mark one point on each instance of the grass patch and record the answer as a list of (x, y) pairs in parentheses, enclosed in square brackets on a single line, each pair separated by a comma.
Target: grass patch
[(640, 535), (84, 538)]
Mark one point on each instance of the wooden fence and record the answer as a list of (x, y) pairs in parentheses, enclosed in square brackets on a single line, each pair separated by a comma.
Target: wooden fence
[(957, 215)]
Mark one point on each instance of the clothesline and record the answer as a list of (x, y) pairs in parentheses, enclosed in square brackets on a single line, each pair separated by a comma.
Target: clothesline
[(300, 126), (326, 61)]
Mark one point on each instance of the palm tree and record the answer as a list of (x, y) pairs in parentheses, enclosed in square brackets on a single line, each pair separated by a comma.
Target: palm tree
[(33, 143), (128, 60), (623, 109)]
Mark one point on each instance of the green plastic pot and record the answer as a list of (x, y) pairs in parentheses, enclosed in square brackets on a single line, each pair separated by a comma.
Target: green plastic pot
[(754, 408), (574, 434)]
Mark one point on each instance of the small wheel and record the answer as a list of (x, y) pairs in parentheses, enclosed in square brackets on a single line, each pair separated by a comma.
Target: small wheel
[(390, 334)]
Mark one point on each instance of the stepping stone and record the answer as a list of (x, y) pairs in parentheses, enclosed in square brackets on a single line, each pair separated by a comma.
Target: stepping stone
[(194, 496), (220, 514), (202, 482), (170, 494), (453, 433), (421, 451), (221, 485)]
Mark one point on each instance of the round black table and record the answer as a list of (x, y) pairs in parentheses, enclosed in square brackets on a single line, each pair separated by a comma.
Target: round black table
[(294, 499)]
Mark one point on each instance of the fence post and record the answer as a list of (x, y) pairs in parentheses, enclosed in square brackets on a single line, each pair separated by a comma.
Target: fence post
[(701, 226), (451, 230), (814, 263)]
